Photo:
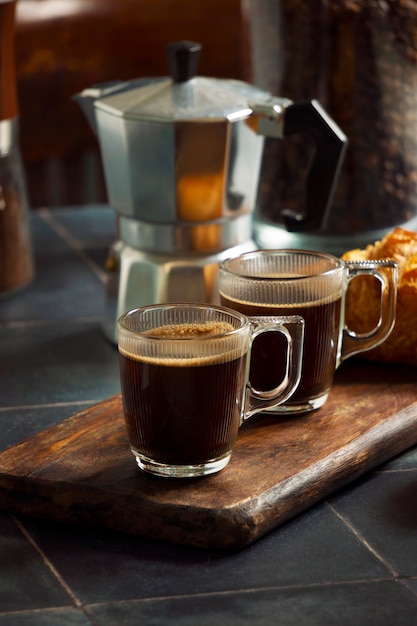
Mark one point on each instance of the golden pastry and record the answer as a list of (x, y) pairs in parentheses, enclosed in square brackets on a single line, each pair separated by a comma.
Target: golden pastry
[(362, 300)]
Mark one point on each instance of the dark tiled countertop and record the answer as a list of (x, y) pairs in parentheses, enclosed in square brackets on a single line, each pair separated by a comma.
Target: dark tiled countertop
[(349, 560)]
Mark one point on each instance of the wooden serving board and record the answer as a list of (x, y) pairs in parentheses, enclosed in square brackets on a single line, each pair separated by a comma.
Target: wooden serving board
[(81, 470)]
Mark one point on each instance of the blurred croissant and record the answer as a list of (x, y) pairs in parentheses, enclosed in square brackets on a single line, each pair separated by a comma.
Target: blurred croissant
[(362, 300)]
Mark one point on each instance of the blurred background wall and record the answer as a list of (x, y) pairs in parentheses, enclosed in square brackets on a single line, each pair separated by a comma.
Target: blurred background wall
[(63, 46)]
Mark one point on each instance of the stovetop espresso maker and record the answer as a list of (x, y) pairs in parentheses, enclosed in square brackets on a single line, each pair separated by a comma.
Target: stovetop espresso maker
[(181, 158)]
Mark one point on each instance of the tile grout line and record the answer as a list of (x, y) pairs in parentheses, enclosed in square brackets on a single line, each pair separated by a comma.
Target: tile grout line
[(47, 562), (364, 541), (62, 232), (231, 592), (395, 470), (34, 323), (48, 405), (204, 594)]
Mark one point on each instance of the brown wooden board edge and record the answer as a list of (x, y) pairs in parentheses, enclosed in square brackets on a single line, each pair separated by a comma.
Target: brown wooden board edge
[(227, 529)]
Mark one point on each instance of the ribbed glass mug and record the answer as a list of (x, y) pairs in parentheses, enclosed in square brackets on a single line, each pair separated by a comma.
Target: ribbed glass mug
[(185, 387), (264, 283)]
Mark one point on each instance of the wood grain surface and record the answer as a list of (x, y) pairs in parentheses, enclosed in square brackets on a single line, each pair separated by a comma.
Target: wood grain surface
[(81, 470)]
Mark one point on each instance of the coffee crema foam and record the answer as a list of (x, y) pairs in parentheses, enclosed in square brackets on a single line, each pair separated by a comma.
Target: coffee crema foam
[(211, 353), (190, 330)]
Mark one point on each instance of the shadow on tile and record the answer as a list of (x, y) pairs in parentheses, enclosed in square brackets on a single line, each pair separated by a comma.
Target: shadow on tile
[(317, 547)]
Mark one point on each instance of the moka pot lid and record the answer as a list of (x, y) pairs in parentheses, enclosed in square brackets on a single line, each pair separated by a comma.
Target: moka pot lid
[(182, 96)]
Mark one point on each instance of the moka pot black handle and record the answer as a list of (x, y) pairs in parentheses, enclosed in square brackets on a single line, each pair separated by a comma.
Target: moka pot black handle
[(323, 171)]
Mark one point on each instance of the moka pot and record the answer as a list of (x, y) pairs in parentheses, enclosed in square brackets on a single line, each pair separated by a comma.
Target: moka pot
[(181, 157)]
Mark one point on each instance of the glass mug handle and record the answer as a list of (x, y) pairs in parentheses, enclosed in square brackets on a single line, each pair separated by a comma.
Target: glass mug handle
[(352, 342), (292, 328)]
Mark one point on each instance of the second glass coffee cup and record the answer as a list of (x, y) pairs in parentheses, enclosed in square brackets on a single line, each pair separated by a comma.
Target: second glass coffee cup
[(264, 283)]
